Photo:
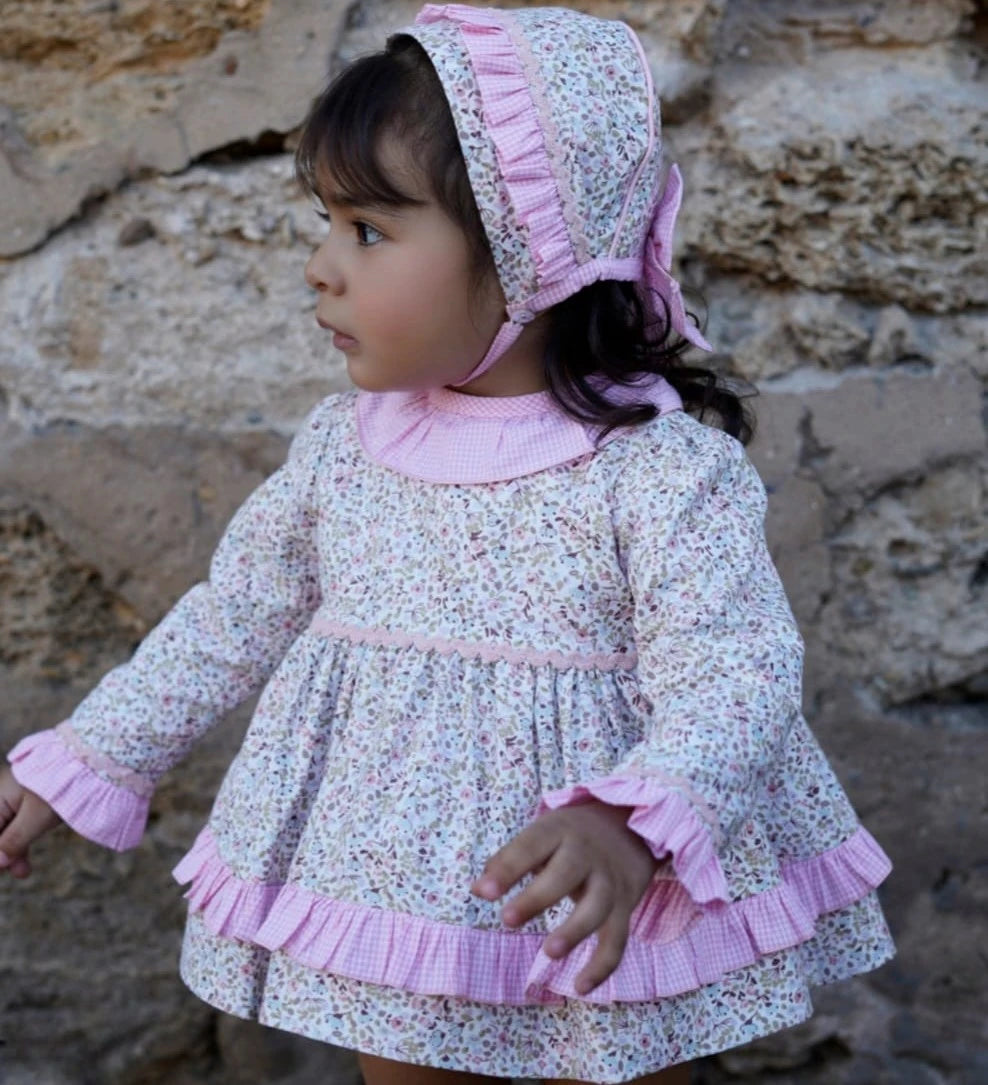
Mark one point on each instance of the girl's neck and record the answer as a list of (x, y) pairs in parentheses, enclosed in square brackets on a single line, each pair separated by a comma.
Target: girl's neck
[(521, 371)]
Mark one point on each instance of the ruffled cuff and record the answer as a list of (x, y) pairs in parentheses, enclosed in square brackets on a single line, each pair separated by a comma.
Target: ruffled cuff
[(103, 812), (672, 828)]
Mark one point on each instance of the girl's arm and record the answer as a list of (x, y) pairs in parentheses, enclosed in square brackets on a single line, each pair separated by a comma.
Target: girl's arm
[(719, 663), (719, 660), (216, 647)]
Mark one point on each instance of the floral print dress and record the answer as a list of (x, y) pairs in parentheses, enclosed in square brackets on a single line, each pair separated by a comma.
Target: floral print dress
[(443, 661)]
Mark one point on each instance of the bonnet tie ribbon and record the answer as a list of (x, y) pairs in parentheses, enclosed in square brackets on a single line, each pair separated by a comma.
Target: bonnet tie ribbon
[(658, 259)]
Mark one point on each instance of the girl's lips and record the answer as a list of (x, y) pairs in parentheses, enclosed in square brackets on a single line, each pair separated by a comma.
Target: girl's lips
[(340, 340)]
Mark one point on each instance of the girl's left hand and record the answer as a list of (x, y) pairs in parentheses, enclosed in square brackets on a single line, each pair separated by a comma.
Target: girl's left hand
[(587, 853)]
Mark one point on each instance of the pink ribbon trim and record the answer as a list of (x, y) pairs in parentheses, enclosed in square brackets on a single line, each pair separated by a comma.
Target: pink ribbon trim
[(657, 259), (429, 957), (106, 813), (324, 625)]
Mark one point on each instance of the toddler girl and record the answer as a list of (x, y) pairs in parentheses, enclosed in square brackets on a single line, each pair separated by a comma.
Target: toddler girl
[(528, 791)]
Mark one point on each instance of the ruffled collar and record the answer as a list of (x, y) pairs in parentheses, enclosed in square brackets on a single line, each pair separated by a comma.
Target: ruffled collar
[(445, 436)]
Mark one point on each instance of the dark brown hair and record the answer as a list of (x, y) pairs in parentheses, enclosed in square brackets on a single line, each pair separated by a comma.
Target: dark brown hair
[(608, 332)]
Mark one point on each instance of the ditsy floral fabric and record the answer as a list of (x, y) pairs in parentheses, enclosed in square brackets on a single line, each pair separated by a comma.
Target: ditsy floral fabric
[(603, 1044), (509, 245), (438, 658), (595, 106), (571, 97)]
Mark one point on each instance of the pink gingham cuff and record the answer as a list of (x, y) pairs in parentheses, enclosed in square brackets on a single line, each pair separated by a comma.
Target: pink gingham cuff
[(668, 823), (107, 813)]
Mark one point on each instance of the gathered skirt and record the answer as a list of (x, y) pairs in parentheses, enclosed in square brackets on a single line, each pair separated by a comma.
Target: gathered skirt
[(591, 1042)]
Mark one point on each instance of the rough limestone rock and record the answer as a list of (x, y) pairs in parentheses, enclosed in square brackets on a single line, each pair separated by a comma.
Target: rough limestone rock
[(871, 188), (95, 93), (771, 332), (233, 342), (158, 350)]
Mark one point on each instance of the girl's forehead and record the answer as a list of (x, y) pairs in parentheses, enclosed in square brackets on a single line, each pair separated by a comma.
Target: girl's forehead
[(393, 158)]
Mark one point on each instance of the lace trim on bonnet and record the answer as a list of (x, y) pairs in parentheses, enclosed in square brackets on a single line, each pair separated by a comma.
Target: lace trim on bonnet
[(532, 160)]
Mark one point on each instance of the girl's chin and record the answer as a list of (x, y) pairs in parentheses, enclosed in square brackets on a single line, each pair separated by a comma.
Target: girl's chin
[(369, 383), (364, 378)]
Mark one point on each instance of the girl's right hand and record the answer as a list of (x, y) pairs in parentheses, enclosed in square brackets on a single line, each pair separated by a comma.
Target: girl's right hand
[(24, 817)]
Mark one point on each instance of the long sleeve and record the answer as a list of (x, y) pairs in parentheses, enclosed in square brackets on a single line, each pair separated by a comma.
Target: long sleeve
[(214, 649), (719, 660)]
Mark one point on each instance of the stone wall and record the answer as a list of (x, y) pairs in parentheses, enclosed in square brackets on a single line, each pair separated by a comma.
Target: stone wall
[(158, 349)]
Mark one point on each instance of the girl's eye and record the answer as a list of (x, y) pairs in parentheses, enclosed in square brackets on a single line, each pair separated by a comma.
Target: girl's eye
[(366, 234)]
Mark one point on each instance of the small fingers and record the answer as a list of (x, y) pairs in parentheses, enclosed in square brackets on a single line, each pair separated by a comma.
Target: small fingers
[(530, 849), (33, 818), (593, 908), (17, 868), (612, 938), (563, 874)]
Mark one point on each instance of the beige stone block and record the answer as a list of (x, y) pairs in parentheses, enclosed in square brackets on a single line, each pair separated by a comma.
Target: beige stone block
[(853, 171), (789, 29), (202, 320), (93, 96), (767, 332), (142, 508), (865, 429), (907, 613)]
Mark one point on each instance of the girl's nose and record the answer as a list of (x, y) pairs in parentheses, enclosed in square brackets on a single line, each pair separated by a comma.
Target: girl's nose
[(321, 271)]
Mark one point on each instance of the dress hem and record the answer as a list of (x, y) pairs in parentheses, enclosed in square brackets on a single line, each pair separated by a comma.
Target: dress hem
[(509, 968), (795, 1013)]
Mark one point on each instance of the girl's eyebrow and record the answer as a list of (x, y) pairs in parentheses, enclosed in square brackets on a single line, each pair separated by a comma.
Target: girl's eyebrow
[(345, 201)]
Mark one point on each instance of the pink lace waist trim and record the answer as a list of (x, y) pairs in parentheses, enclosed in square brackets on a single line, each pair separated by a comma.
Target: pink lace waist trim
[(107, 813), (430, 957), (324, 625)]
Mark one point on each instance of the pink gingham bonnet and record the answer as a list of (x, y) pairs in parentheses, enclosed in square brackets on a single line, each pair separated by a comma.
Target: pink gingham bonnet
[(558, 122)]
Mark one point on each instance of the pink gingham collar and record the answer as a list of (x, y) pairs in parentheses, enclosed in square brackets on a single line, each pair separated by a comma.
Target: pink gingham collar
[(445, 436)]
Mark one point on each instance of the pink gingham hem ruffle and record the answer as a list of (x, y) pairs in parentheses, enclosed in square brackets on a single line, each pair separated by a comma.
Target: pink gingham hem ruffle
[(429, 957), (107, 813)]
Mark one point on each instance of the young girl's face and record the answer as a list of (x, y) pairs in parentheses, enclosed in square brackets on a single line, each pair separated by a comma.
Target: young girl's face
[(396, 287)]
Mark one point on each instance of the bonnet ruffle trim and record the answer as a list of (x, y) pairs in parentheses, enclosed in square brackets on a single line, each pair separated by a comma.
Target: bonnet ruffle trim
[(514, 126), (429, 957)]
